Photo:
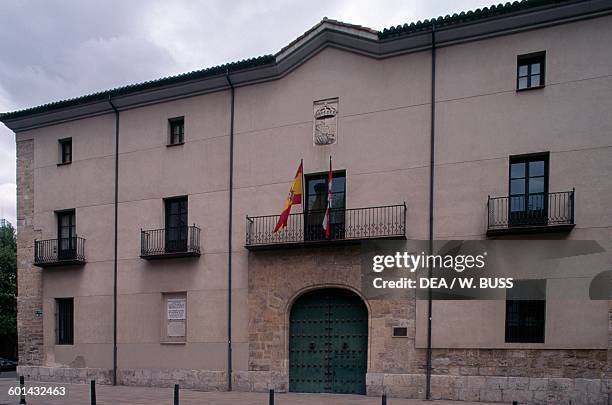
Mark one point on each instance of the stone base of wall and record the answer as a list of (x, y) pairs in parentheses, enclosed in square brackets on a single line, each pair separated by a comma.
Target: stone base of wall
[(396, 385), (205, 380), (525, 390), (260, 381), (192, 379), (66, 374)]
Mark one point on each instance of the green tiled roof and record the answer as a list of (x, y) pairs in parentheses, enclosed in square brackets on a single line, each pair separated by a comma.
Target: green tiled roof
[(464, 16)]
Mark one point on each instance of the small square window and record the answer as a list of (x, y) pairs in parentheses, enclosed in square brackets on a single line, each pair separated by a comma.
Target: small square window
[(530, 71), (400, 331), (177, 131), (65, 146), (64, 321), (526, 311)]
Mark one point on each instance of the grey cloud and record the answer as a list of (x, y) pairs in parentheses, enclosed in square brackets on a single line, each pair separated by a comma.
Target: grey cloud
[(51, 50)]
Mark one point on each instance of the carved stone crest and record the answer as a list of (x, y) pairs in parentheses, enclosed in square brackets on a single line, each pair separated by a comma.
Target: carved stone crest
[(325, 122)]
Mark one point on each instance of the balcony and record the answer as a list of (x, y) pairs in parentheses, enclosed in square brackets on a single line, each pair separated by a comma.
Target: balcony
[(542, 212), (169, 243), (59, 252), (347, 226)]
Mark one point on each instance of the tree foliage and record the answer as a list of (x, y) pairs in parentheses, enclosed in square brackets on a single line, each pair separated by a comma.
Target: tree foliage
[(8, 280)]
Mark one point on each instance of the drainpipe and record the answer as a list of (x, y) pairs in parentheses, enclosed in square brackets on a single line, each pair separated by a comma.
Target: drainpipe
[(115, 241), (229, 235), (431, 202)]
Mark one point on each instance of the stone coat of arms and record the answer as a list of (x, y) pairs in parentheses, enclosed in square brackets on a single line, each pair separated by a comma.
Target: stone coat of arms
[(325, 125)]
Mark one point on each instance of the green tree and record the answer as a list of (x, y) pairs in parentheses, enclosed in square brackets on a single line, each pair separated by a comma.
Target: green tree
[(8, 280)]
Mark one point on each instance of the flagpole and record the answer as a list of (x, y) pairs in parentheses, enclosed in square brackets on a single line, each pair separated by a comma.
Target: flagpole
[(328, 208), (303, 193), (330, 196)]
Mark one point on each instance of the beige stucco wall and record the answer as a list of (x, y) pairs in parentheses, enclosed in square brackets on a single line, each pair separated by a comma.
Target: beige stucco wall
[(384, 148), (86, 185), (150, 171), (481, 121)]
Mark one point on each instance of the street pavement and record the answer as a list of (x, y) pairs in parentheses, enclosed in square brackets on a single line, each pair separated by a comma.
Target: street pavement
[(78, 394)]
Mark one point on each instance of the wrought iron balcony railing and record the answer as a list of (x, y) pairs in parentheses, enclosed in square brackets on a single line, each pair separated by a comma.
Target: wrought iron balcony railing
[(182, 241), (532, 212), (59, 252), (351, 224)]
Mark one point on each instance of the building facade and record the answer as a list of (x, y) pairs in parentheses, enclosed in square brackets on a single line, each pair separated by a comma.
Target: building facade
[(146, 251)]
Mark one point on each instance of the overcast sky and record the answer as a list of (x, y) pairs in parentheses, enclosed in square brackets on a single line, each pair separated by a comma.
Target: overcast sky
[(51, 50)]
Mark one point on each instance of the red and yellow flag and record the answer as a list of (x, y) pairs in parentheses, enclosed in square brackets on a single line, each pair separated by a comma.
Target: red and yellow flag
[(294, 197)]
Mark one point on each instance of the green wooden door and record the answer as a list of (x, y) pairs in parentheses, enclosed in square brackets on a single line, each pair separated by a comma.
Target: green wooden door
[(328, 340)]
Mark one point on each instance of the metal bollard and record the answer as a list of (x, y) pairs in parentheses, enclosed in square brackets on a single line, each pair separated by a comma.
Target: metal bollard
[(92, 392), (384, 399), (176, 394), (271, 397), (21, 390)]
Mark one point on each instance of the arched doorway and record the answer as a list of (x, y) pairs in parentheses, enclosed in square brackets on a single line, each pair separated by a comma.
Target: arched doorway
[(328, 342)]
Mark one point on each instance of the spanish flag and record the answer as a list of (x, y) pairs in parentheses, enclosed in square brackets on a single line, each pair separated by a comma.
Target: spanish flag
[(294, 197)]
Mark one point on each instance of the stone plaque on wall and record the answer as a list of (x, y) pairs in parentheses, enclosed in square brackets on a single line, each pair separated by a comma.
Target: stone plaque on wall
[(176, 329), (325, 122), (176, 309)]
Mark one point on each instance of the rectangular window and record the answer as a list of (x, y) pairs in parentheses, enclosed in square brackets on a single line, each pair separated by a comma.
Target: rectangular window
[(174, 317), (316, 205), (530, 71), (177, 131), (528, 201), (176, 224), (65, 146), (66, 234), (400, 331), (64, 321), (526, 311)]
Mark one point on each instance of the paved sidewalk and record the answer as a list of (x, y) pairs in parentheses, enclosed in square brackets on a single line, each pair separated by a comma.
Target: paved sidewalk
[(78, 394)]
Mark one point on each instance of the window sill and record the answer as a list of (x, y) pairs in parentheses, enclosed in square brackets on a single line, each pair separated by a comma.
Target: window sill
[(530, 88), (163, 342), (521, 344), (175, 144), (64, 163)]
